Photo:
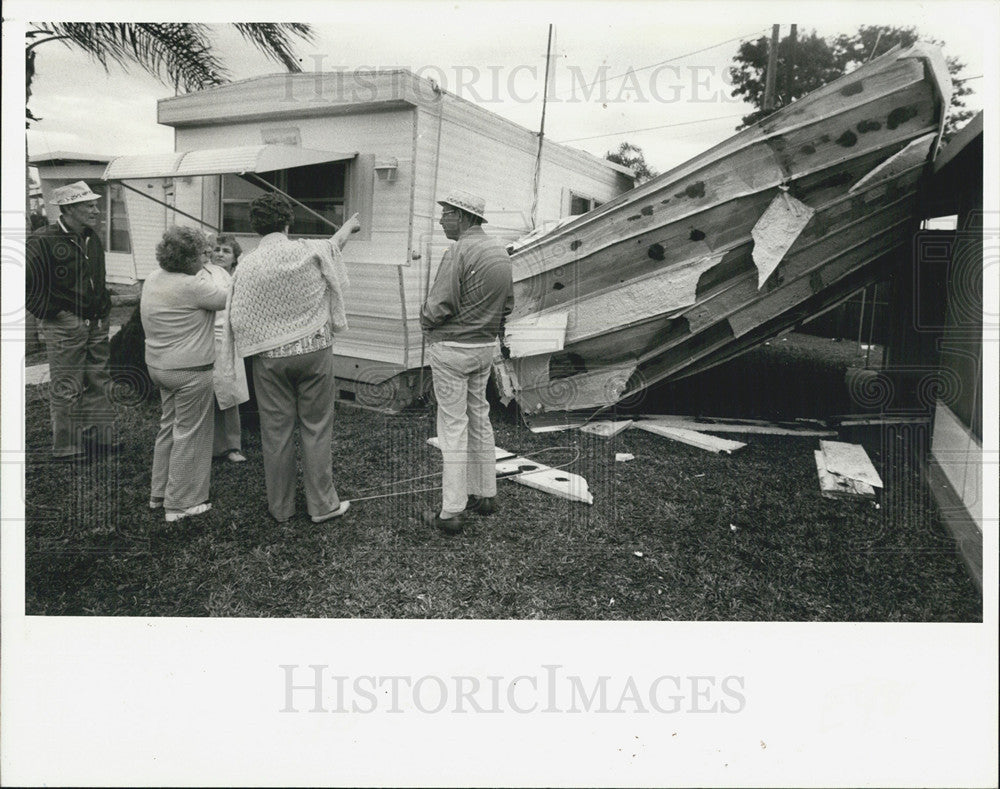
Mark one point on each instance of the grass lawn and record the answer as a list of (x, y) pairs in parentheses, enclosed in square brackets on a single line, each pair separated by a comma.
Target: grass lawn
[(676, 534)]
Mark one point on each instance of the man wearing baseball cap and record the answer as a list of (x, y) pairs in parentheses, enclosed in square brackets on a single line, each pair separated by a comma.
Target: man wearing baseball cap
[(462, 317), (66, 291)]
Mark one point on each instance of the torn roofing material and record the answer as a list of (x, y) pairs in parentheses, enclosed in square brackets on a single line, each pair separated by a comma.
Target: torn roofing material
[(774, 225)]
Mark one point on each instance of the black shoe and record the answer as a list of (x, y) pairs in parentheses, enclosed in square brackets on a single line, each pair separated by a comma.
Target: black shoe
[(452, 525), (481, 505)]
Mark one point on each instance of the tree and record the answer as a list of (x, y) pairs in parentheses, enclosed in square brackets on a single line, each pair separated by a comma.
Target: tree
[(631, 155), (818, 61), (178, 54)]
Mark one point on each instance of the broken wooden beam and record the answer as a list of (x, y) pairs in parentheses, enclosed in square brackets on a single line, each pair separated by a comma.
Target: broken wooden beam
[(692, 437), (723, 425), (531, 474)]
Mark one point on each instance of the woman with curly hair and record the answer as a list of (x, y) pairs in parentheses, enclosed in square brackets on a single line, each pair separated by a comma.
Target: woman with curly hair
[(177, 307), (287, 303), (228, 442)]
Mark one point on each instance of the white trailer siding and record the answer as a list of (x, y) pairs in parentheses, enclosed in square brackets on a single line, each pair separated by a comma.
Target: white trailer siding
[(482, 153), (374, 305), (439, 142), (146, 222)]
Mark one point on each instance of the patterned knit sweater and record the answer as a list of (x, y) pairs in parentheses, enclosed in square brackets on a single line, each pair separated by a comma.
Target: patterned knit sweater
[(286, 290)]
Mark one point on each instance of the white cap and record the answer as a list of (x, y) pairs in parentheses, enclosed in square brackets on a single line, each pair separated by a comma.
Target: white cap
[(73, 193)]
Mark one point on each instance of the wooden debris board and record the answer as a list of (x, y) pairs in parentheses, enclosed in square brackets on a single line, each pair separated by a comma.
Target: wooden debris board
[(849, 461), (692, 437), (606, 429), (881, 419), (537, 334), (532, 474), (833, 486), (738, 426)]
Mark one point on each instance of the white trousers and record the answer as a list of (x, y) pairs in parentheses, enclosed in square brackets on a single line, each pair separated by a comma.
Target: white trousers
[(463, 423)]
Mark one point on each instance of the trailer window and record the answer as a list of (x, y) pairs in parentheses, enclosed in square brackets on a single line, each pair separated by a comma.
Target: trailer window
[(581, 204), (320, 187)]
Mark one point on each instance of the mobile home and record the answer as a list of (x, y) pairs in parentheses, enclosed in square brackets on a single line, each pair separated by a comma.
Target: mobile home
[(385, 144)]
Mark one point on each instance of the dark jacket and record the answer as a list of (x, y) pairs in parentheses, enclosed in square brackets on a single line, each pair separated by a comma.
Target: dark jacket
[(65, 271), (472, 293)]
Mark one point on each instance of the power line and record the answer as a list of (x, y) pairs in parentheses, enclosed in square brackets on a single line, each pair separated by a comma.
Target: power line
[(967, 79), (652, 128), (663, 62)]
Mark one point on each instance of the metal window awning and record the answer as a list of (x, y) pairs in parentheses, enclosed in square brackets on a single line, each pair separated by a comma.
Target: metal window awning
[(218, 161)]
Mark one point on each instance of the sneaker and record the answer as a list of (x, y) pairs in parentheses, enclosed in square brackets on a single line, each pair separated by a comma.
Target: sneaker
[(155, 504), (235, 456), (176, 515), (344, 507), (452, 525), (481, 505)]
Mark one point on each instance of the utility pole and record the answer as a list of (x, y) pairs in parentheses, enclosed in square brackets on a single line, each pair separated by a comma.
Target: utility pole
[(790, 80), (541, 136), (772, 68)]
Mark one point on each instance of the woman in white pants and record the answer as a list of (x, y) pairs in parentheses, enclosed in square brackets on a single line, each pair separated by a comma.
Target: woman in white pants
[(228, 442)]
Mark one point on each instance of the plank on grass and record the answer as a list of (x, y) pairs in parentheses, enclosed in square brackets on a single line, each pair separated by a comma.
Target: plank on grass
[(692, 437), (850, 461), (532, 474), (721, 425), (833, 486), (606, 429)]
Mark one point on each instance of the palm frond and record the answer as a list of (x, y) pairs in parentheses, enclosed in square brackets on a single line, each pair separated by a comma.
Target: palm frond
[(275, 40), (177, 53)]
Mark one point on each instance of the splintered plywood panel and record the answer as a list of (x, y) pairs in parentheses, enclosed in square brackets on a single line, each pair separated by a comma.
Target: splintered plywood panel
[(606, 429), (532, 474), (536, 335), (849, 461), (692, 438), (833, 486), (911, 156), (587, 390), (557, 482)]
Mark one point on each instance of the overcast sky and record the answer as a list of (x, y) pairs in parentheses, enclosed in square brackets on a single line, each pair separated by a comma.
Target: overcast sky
[(493, 54)]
